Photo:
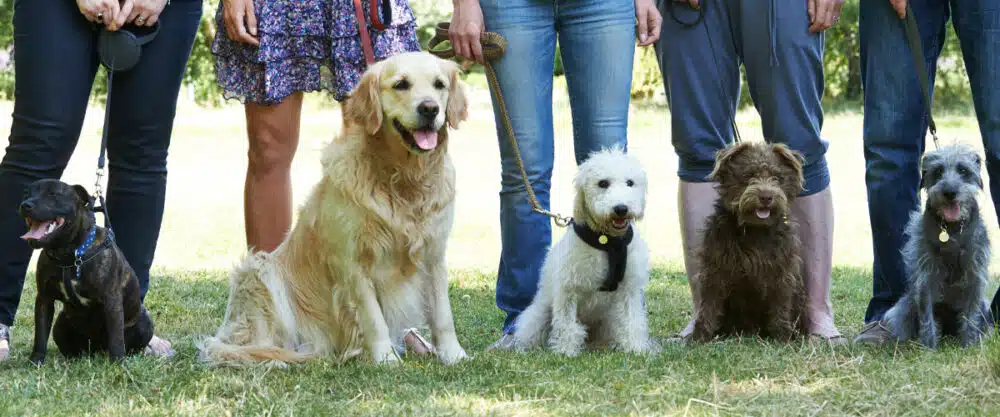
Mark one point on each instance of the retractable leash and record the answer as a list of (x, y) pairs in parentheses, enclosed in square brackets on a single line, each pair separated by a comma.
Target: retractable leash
[(119, 51)]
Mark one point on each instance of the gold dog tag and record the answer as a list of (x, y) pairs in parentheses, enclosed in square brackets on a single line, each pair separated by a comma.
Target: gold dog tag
[(943, 237), (603, 239)]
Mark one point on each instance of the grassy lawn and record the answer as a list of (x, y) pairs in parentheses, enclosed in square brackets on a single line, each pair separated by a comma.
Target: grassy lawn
[(203, 235)]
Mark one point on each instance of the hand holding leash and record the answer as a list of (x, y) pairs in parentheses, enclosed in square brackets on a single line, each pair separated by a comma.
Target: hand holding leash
[(141, 12), (493, 46), (101, 12), (900, 6)]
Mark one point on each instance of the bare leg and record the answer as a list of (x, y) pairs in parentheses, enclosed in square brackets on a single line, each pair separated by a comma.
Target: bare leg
[(815, 217), (695, 203), (273, 132)]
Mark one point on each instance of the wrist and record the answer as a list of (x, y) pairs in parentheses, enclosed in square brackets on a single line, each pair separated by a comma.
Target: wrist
[(457, 3)]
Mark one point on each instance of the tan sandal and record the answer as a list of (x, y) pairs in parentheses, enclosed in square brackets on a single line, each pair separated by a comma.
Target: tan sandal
[(415, 343)]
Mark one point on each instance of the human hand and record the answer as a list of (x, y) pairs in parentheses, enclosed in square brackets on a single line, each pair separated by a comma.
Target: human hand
[(99, 11), (900, 7), (466, 28), (823, 14), (140, 12), (649, 21), (234, 11)]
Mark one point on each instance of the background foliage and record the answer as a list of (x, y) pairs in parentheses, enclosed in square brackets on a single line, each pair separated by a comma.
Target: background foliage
[(842, 64)]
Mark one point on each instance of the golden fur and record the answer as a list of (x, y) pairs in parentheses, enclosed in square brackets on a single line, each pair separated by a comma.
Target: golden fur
[(365, 259)]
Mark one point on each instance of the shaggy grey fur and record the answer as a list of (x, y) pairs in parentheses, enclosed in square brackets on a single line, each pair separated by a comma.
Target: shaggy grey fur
[(947, 279)]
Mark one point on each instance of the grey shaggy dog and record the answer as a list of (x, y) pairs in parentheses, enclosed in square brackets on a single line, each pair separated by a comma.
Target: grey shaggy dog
[(947, 255)]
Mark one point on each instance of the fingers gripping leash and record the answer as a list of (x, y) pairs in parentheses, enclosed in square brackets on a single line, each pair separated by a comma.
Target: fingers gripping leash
[(494, 46)]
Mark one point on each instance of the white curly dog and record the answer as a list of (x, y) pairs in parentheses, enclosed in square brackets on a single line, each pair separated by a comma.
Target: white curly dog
[(592, 280)]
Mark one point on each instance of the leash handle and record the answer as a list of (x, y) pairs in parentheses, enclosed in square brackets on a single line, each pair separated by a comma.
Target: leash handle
[(494, 46), (920, 63)]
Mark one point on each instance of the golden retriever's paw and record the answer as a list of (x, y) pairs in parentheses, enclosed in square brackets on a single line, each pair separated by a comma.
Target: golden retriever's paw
[(386, 356), (452, 355)]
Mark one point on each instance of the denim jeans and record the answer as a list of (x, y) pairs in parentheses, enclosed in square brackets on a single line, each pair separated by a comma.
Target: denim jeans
[(895, 123), (597, 43), (55, 58), (701, 74)]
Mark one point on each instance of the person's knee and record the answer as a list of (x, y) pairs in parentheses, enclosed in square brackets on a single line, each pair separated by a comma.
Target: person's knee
[(272, 148)]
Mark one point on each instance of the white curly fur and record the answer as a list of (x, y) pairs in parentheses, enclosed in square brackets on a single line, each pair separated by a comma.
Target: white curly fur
[(568, 311)]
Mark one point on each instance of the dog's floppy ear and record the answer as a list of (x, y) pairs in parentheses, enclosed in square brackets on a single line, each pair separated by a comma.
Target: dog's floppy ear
[(723, 156), (926, 162), (791, 158), (362, 105), (82, 194), (979, 169), (458, 105)]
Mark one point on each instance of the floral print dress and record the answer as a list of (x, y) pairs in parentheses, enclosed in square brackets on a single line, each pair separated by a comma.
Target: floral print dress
[(305, 45)]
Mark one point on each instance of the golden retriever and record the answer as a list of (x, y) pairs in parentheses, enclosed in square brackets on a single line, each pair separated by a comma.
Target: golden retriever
[(365, 259)]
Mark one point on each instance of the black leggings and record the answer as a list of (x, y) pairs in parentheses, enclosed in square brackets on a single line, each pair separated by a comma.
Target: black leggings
[(55, 61)]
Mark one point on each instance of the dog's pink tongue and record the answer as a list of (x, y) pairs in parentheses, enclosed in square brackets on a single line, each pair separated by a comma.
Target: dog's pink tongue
[(951, 212), (426, 139), (38, 230), (763, 213)]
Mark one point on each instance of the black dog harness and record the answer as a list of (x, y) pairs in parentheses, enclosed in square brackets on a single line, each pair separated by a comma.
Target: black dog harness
[(83, 254), (615, 247)]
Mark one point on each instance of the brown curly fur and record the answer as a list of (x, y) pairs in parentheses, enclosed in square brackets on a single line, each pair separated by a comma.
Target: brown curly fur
[(751, 279)]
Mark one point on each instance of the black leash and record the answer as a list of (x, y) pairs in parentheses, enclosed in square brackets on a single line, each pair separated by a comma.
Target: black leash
[(919, 62), (98, 192), (688, 25), (118, 51)]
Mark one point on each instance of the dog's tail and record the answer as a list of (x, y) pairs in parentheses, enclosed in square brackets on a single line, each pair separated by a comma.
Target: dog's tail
[(259, 323), (214, 350)]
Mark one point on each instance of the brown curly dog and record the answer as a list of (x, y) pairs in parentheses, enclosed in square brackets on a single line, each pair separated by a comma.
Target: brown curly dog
[(751, 282)]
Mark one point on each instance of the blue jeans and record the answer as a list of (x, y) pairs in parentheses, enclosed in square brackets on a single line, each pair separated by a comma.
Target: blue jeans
[(597, 42), (701, 74), (55, 61), (895, 123)]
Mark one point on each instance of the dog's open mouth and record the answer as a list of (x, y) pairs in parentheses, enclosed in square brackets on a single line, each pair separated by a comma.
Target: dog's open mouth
[(620, 223), (41, 229), (423, 139), (951, 211), (763, 213)]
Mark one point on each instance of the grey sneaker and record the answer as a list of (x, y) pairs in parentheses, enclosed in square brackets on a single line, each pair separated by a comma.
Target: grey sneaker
[(875, 333), (506, 342), (4, 342)]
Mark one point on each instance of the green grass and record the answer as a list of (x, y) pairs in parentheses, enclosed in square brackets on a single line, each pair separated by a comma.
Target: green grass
[(203, 235), (737, 377)]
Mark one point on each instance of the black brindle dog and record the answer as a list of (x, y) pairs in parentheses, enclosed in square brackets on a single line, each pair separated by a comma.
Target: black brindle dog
[(81, 267)]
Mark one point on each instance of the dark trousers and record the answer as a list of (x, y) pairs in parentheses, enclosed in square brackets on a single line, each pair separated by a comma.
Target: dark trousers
[(895, 123), (55, 58)]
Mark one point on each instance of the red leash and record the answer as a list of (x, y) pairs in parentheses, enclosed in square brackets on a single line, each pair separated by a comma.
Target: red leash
[(359, 13)]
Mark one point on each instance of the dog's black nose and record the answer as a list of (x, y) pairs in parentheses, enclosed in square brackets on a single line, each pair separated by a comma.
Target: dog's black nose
[(949, 194), (766, 198), (27, 206), (428, 109), (621, 210)]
